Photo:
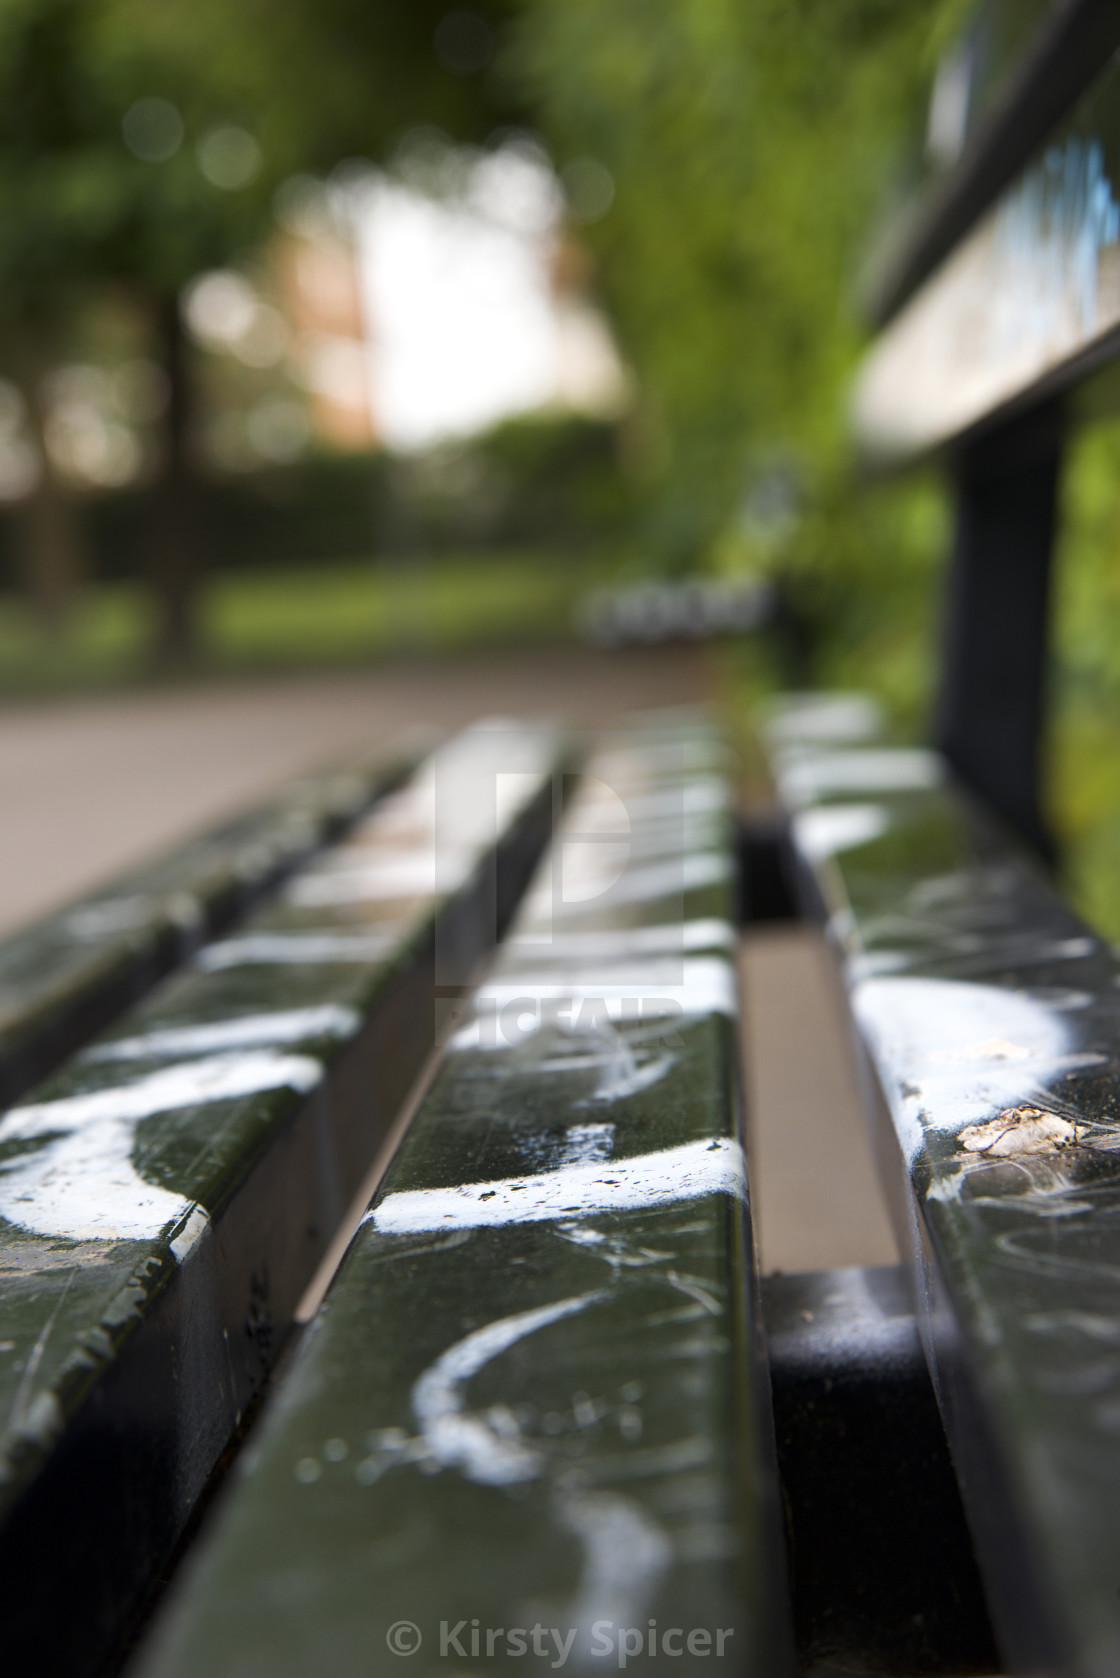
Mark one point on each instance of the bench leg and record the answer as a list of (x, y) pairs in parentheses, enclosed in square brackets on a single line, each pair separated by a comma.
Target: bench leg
[(990, 709)]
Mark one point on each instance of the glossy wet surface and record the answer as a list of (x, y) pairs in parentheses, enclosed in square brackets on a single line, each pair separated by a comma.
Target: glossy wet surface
[(64, 977), (993, 1018), (194, 1160), (528, 1409)]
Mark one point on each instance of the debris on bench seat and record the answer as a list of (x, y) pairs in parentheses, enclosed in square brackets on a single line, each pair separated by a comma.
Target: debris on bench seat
[(165, 1198), (64, 977), (528, 1419), (991, 1017)]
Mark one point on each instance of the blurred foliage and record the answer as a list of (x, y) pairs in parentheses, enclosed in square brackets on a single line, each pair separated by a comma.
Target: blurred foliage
[(548, 481), (739, 156), (115, 119), (753, 149), (1084, 763), (331, 614), (548, 478), (750, 147), (93, 188)]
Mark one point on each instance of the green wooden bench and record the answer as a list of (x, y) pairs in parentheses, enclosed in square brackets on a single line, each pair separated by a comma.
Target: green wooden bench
[(66, 975), (988, 1014), (531, 1418), (167, 1194)]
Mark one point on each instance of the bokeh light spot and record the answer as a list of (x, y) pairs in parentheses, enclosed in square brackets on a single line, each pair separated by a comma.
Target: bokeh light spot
[(464, 43), (230, 158), (589, 186), (152, 130)]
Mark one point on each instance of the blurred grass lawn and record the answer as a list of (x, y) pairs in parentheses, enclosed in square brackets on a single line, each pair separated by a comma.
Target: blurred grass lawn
[(337, 613)]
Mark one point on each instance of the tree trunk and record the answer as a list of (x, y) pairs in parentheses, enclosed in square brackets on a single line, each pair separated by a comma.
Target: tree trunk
[(173, 556), (50, 545)]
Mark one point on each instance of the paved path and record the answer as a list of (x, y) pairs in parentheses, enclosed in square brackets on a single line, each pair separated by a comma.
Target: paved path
[(90, 787)]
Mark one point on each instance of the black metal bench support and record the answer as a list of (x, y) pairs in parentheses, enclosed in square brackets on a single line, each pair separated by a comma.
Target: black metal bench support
[(882, 1573), (991, 706)]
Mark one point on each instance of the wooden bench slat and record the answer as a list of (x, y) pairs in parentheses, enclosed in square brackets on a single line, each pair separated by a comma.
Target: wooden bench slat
[(167, 1195), (1036, 86), (64, 977), (1024, 307), (991, 1018), (530, 1405)]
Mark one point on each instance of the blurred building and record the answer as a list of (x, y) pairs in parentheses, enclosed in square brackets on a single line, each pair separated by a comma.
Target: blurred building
[(319, 290)]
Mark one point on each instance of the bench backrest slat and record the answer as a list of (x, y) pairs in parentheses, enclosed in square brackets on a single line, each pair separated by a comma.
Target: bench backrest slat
[(1023, 307), (1032, 86), (989, 354)]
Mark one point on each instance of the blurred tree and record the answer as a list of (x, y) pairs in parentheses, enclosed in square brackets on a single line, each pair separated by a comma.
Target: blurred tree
[(310, 84), (141, 144), (745, 146), (97, 188), (58, 195), (750, 147)]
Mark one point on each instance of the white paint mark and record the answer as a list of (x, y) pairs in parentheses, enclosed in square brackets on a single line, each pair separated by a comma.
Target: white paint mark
[(191, 1234), (818, 718), (405, 874), (457, 1438), (688, 1172), (1103, 1330), (1072, 949), (942, 1049), (426, 838), (695, 1290), (1046, 1191), (690, 871), (838, 827), (41, 1422), (625, 1553), (623, 1074), (296, 949), (627, 1062), (586, 1143), (108, 918), (619, 944), (292, 1025), (990, 1049), (691, 795), (805, 777), (35, 1356), (79, 1182), (508, 1012)]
